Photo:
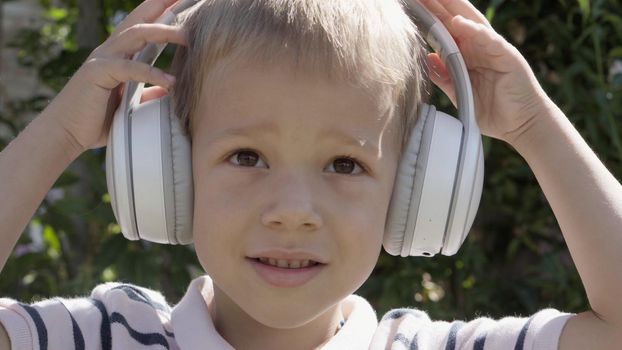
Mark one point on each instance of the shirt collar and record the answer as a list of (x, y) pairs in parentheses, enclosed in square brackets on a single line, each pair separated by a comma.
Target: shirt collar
[(192, 314)]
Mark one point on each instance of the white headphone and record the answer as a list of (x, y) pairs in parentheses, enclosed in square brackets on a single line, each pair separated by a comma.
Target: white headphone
[(437, 188)]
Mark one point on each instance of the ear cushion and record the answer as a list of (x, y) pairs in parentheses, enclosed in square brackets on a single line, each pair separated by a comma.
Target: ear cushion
[(399, 207), (161, 176), (182, 184)]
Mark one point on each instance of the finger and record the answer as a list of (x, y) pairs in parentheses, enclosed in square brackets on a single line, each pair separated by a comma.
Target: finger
[(439, 11), (440, 77), (136, 37), (147, 12), (465, 9), (445, 15), (108, 73), (482, 47), (152, 93)]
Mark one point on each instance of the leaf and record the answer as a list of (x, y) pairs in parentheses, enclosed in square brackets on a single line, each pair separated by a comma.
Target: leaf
[(56, 13), (616, 52), (50, 238), (584, 6)]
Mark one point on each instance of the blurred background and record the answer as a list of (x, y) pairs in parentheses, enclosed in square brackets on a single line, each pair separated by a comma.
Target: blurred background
[(514, 261)]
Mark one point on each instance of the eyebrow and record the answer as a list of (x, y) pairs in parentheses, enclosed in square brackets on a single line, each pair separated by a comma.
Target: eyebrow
[(272, 130)]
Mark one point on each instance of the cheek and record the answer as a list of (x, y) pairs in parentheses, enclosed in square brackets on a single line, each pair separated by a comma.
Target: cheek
[(367, 221), (218, 200), (362, 229), (218, 220)]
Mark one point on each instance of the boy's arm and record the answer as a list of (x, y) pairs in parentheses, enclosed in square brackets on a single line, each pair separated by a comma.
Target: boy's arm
[(587, 202), (29, 165), (586, 199)]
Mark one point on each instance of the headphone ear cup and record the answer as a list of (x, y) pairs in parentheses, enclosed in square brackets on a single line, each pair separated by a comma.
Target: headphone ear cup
[(118, 174), (159, 160), (422, 194), (399, 206)]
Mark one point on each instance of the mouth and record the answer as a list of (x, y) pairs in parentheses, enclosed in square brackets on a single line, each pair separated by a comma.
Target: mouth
[(286, 273), (287, 263)]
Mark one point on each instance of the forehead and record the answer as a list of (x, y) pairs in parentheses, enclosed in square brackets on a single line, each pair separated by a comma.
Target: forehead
[(280, 99)]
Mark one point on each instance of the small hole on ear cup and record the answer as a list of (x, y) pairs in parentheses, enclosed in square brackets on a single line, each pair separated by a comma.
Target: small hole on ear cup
[(426, 254)]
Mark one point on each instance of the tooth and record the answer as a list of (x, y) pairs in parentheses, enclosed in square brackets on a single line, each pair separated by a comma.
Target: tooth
[(304, 263), (294, 264), (282, 263), (272, 262), (264, 260)]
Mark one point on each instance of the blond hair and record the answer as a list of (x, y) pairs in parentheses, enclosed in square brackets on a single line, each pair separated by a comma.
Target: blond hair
[(371, 43)]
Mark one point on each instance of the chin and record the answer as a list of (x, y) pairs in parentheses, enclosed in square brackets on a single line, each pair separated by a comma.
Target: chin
[(284, 316)]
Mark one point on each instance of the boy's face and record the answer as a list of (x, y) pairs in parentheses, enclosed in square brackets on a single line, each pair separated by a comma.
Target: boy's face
[(291, 188)]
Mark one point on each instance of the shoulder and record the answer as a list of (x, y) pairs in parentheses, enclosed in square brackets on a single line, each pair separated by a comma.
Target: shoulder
[(128, 305), (412, 327), (115, 294), (113, 310)]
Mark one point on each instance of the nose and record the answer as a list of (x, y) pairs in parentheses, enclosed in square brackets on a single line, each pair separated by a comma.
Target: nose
[(291, 206)]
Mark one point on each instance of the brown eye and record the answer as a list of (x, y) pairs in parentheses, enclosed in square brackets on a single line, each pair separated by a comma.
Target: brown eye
[(346, 165), (245, 158)]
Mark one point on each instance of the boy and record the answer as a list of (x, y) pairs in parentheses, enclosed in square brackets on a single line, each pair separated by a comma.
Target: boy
[(299, 195)]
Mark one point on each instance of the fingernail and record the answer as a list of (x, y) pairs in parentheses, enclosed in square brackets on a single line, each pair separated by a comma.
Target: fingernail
[(171, 79)]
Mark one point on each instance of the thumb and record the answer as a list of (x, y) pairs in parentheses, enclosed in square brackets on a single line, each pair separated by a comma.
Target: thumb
[(440, 77)]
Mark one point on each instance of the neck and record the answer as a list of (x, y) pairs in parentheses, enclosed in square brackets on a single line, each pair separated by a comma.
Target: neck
[(243, 332)]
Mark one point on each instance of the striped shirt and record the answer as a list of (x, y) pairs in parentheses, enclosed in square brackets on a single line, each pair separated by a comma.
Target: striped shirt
[(124, 316)]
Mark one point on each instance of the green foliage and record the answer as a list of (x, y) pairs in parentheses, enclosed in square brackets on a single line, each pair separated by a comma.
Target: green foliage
[(514, 260)]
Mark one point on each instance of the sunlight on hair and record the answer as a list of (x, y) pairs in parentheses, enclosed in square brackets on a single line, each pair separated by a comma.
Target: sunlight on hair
[(372, 44)]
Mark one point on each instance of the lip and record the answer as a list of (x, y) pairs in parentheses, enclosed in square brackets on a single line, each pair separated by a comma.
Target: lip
[(278, 254), (284, 277)]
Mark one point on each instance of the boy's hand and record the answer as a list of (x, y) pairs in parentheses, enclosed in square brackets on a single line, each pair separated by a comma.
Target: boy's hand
[(508, 97), (86, 105)]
